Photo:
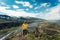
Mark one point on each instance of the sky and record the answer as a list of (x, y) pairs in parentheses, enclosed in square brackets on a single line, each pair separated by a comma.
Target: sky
[(45, 9)]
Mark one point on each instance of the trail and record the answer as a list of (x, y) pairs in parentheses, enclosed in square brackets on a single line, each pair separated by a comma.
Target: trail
[(3, 37)]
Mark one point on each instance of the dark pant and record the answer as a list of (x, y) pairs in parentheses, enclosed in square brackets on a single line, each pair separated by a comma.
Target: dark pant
[(25, 32)]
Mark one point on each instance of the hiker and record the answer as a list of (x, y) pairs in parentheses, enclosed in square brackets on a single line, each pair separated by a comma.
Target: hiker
[(25, 27)]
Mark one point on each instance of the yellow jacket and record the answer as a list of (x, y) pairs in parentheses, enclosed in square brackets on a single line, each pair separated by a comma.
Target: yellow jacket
[(24, 26)]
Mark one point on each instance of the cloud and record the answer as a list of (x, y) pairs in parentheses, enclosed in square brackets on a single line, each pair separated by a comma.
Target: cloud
[(15, 6), (53, 14), (36, 7), (25, 4), (2, 3), (26, 9), (44, 5), (16, 13)]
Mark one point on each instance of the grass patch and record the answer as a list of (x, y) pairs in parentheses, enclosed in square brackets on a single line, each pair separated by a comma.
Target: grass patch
[(7, 30)]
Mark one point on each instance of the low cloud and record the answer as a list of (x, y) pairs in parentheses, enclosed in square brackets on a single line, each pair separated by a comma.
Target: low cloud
[(52, 14), (16, 13)]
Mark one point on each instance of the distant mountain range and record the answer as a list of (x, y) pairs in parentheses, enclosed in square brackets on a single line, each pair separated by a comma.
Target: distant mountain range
[(9, 18)]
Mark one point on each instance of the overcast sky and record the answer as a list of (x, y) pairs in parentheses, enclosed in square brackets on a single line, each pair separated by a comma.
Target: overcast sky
[(45, 9)]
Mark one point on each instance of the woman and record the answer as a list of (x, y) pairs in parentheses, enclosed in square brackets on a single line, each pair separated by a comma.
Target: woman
[(24, 28)]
